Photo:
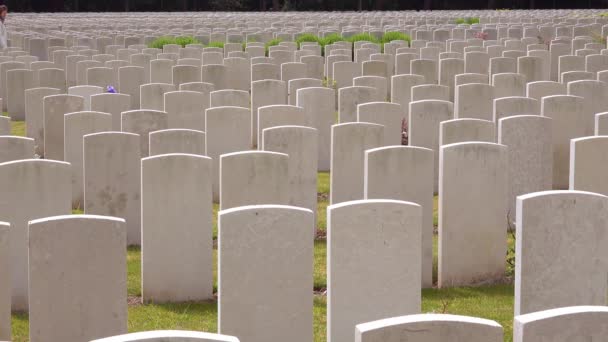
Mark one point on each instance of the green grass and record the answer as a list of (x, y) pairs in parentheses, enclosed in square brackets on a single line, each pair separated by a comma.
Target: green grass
[(435, 211), (272, 42), (216, 44), (469, 21), (322, 200), (363, 37), (491, 302), (393, 35), (183, 41), (323, 183), (18, 128), (320, 265)]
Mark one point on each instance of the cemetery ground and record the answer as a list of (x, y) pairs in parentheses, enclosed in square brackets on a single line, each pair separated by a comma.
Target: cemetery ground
[(493, 301)]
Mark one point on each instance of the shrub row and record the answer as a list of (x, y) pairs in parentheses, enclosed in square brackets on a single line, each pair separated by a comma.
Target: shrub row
[(322, 41)]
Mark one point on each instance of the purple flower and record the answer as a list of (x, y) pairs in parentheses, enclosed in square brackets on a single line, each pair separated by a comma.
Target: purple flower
[(111, 90)]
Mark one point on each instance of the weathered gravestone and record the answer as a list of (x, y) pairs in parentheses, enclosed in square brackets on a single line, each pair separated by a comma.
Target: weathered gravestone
[(85, 92), (572, 323), (152, 95), (349, 141), (17, 82), (176, 193), (404, 173), (15, 148), (255, 283), (430, 328), (229, 97), (529, 141), (319, 108), (463, 130), (588, 164), (228, 130), (112, 178), (169, 336), (44, 189), (350, 97), (177, 141), (569, 121), (55, 107), (142, 122), (473, 212), (113, 104), (300, 144), (87, 280), (253, 178), (423, 127), (76, 126), (278, 115), (391, 233), (561, 250), (386, 114), (34, 115), (5, 283)]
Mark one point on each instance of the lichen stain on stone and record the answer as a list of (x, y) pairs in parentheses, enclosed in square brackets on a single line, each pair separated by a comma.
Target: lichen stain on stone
[(115, 204)]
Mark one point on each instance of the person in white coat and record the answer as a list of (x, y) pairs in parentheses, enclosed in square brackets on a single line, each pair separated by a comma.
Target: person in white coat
[(3, 33)]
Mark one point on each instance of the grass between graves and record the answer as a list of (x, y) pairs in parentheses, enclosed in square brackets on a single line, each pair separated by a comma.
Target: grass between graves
[(493, 302), (17, 127)]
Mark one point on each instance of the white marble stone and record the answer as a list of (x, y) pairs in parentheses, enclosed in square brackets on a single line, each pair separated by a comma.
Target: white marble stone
[(529, 140), (176, 193), (77, 272), (473, 212), (384, 232), (404, 173), (430, 328), (76, 126), (169, 336), (253, 178), (349, 142), (44, 189), (561, 325), (562, 259), (112, 179), (255, 283)]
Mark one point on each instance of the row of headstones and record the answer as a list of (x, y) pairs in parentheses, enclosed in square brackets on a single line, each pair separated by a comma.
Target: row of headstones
[(557, 325), (347, 178), (221, 76), (273, 92), (183, 109), (224, 31), (110, 174), (274, 256), (437, 39), (235, 71), (23, 36)]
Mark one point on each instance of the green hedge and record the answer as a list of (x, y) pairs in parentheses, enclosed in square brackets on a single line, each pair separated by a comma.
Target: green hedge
[(183, 41), (322, 41), (469, 21), (272, 42), (333, 38)]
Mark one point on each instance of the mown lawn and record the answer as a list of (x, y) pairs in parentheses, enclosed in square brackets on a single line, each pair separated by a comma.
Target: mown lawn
[(491, 302)]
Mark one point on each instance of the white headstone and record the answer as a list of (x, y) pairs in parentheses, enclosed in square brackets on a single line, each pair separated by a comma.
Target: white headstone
[(81, 260), (391, 233), (278, 284), (176, 193)]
